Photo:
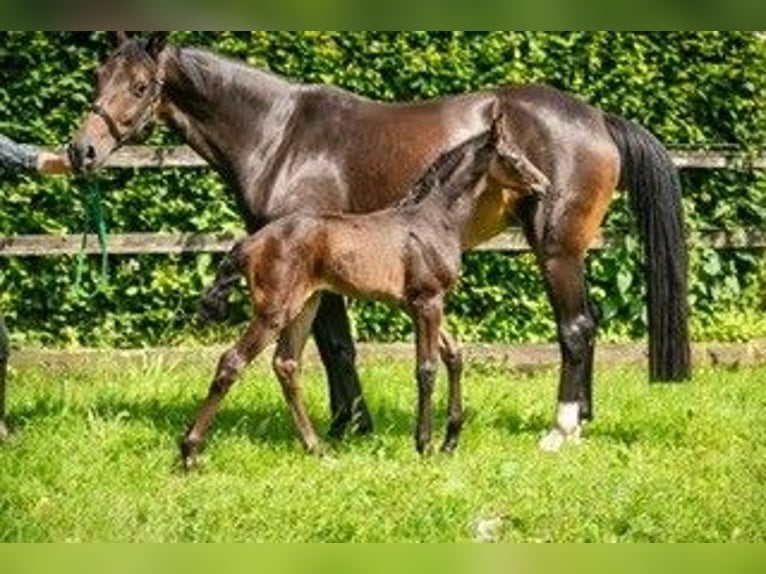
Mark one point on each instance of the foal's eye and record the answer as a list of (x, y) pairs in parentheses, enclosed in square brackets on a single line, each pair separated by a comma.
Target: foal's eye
[(139, 88)]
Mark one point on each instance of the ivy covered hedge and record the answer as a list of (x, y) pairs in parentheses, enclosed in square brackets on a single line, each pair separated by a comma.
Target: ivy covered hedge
[(695, 89)]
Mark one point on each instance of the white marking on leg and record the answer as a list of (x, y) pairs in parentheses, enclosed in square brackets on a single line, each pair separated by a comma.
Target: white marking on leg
[(568, 419), (567, 428)]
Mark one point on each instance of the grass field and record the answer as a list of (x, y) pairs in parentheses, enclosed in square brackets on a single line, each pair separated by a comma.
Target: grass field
[(94, 451)]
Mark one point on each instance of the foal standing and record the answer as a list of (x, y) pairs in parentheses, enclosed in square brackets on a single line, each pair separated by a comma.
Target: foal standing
[(407, 255)]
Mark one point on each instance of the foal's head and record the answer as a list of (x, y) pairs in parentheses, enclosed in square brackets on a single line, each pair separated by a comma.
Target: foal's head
[(128, 90), (457, 170)]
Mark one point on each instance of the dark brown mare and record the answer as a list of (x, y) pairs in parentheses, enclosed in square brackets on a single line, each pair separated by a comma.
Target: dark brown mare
[(285, 147), (407, 255)]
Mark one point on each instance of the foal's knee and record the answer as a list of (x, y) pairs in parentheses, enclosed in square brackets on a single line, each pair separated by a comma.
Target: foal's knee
[(285, 370), (230, 366)]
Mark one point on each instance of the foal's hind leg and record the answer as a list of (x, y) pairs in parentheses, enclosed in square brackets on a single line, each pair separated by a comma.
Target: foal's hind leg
[(453, 361), (287, 369), (231, 364), (428, 316)]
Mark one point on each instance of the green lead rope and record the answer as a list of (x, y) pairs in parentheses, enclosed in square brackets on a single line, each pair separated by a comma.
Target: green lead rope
[(94, 222)]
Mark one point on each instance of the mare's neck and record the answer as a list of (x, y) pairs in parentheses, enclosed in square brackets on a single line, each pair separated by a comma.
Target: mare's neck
[(228, 112)]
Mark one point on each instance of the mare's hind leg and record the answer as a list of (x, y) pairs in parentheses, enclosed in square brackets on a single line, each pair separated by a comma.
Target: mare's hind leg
[(287, 369), (332, 334), (560, 228), (453, 361), (576, 327), (231, 364)]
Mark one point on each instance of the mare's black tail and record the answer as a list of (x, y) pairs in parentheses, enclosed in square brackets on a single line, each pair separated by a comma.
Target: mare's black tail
[(648, 174)]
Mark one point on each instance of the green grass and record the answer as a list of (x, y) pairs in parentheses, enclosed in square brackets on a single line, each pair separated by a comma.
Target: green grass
[(94, 452)]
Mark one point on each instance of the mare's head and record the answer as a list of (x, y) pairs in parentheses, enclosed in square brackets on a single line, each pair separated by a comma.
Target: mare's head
[(128, 90)]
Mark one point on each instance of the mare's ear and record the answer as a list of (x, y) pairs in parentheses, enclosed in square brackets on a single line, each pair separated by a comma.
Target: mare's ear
[(119, 38), (156, 43)]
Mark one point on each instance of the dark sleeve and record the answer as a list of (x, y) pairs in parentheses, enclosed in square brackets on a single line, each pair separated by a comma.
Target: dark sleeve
[(17, 156)]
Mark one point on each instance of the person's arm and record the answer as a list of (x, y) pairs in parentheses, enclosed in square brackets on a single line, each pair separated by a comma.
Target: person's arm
[(18, 156)]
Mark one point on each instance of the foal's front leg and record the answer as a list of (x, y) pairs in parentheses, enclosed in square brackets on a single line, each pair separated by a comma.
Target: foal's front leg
[(428, 316), (287, 366), (231, 364)]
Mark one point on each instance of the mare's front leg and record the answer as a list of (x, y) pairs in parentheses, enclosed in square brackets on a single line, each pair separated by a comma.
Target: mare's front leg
[(453, 361), (287, 366), (231, 364), (427, 314), (332, 333)]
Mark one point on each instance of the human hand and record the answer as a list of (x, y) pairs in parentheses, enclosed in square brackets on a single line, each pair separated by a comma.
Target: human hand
[(50, 162)]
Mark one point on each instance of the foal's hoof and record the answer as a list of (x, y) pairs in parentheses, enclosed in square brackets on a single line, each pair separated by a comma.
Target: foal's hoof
[(449, 446), (318, 449), (425, 449), (188, 455), (556, 437)]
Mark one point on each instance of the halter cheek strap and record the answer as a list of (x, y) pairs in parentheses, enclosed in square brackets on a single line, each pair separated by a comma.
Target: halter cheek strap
[(110, 123)]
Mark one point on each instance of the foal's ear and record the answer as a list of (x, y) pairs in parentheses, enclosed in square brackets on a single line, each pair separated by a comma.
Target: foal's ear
[(119, 38), (496, 131), (156, 43)]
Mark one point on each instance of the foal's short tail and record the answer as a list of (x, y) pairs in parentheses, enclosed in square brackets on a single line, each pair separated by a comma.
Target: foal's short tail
[(652, 181), (215, 301)]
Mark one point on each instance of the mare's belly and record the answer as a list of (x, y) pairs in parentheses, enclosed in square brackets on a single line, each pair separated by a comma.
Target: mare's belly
[(491, 214)]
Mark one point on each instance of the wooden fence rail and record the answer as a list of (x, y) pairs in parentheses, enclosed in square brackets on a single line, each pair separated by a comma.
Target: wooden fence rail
[(167, 243), (133, 157)]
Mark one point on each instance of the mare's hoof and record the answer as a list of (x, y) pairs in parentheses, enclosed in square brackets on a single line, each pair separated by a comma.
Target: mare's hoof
[(556, 437), (360, 425)]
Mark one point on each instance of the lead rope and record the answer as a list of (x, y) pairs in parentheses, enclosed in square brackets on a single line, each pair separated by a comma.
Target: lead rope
[(93, 222)]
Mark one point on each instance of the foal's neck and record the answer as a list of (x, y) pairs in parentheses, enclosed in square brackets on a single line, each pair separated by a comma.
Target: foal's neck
[(221, 107), (452, 209), (446, 195)]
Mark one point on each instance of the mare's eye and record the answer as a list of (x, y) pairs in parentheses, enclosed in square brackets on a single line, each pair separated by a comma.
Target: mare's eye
[(139, 88)]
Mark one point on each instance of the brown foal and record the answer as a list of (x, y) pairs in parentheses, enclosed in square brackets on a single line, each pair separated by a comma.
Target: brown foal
[(408, 255)]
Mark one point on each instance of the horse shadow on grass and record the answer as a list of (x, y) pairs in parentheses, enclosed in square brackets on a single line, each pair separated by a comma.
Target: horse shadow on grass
[(260, 423)]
